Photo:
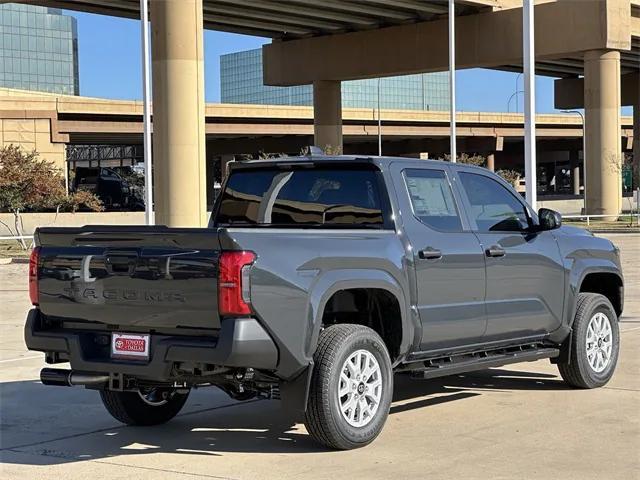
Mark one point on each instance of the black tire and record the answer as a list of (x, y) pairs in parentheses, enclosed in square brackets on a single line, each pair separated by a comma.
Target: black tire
[(131, 409), (577, 371), (323, 419)]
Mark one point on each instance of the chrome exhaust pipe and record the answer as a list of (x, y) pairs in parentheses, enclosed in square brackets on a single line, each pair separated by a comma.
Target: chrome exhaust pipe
[(69, 378)]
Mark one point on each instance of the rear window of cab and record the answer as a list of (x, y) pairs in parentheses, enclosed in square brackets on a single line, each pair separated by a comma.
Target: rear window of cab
[(322, 197)]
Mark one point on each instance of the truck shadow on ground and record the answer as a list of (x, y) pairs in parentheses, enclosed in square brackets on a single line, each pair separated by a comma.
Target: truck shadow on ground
[(254, 426)]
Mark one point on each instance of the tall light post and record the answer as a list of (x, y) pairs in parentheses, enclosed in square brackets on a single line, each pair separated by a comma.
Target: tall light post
[(146, 115), (516, 91), (529, 60), (379, 121), (452, 78), (584, 155), (513, 95)]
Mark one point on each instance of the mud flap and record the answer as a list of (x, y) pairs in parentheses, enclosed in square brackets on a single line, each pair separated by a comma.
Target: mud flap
[(565, 351), (294, 393)]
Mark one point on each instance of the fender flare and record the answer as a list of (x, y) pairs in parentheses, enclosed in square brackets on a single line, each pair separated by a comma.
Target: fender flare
[(576, 278), (335, 280)]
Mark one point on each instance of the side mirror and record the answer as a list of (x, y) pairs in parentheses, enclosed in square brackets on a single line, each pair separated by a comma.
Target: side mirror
[(549, 219)]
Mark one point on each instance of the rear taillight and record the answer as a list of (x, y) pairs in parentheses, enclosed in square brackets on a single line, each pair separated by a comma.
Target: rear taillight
[(34, 260), (234, 292)]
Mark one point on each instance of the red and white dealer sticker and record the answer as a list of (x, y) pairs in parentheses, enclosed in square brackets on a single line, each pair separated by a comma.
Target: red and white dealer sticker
[(124, 345)]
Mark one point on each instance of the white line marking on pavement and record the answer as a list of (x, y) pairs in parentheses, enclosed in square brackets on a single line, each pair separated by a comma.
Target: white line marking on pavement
[(629, 329), (20, 358)]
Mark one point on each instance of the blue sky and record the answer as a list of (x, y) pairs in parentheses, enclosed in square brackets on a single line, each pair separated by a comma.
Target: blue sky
[(109, 57)]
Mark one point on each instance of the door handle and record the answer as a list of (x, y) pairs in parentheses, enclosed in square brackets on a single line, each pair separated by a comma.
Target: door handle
[(496, 251), (430, 253)]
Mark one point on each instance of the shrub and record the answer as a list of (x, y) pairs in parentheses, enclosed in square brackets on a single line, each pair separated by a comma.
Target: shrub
[(511, 176), (29, 183), (475, 159)]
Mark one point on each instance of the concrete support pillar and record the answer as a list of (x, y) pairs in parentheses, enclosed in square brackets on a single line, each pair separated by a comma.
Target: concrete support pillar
[(178, 113), (225, 160), (574, 161), (327, 115), (491, 162), (603, 142), (636, 144)]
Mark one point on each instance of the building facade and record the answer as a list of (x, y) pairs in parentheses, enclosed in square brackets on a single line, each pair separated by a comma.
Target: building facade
[(38, 49), (241, 82)]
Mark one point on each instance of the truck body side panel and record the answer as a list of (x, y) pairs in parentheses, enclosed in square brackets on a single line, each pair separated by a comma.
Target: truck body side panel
[(297, 270)]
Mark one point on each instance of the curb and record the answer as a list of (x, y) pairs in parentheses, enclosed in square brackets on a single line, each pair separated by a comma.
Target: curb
[(7, 261)]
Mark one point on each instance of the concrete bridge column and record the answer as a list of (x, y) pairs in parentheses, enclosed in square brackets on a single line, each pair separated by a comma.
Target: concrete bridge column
[(491, 162), (327, 114), (178, 113), (574, 162), (603, 141)]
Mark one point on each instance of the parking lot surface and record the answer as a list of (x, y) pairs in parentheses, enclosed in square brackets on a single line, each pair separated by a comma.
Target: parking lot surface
[(514, 422)]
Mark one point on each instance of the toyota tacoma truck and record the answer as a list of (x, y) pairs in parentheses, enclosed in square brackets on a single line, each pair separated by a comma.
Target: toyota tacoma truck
[(318, 279)]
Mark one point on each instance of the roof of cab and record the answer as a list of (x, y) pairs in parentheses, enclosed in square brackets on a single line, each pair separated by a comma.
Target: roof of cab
[(338, 158)]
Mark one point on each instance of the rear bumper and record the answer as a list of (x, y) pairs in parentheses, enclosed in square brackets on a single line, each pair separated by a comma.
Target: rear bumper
[(242, 342)]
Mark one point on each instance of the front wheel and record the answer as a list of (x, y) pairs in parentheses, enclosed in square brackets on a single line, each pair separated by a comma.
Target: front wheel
[(595, 343), (149, 406), (351, 387)]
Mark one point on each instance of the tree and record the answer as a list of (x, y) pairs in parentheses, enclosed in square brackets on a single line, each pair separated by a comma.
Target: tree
[(475, 159), (29, 183), (511, 176)]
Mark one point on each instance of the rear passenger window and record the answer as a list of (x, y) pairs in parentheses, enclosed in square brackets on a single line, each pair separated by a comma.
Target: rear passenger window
[(347, 197), (493, 207), (432, 200)]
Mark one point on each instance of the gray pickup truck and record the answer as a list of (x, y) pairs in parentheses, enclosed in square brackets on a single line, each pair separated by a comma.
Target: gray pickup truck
[(317, 279)]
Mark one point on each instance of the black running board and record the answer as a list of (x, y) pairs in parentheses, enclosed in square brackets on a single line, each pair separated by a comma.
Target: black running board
[(441, 367)]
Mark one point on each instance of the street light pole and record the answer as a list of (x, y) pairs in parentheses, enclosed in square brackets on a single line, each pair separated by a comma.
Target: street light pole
[(511, 98), (452, 78), (529, 102), (379, 121), (146, 116), (584, 155), (516, 91)]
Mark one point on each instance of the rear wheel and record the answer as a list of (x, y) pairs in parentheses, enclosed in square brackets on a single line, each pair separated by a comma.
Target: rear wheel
[(595, 343), (149, 406), (351, 387)]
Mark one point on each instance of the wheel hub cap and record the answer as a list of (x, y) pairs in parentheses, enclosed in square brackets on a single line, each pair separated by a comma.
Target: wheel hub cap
[(360, 388), (599, 342)]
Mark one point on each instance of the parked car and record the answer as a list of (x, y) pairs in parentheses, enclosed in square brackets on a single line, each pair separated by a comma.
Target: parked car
[(317, 279), (109, 186)]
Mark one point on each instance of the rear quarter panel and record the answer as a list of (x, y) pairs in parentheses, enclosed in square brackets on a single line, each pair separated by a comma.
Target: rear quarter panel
[(297, 271)]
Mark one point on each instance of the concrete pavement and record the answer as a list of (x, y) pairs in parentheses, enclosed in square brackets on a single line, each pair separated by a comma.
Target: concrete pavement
[(517, 421)]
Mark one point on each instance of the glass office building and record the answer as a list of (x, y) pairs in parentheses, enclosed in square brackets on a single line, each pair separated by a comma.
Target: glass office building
[(241, 82), (38, 49)]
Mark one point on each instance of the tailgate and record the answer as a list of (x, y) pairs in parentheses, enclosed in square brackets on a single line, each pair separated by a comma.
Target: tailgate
[(138, 278)]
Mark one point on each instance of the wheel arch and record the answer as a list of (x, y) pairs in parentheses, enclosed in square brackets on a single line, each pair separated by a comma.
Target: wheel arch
[(604, 279), (606, 282), (335, 282)]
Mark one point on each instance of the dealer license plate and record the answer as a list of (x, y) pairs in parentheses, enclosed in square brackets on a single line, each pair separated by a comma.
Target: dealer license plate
[(127, 345)]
